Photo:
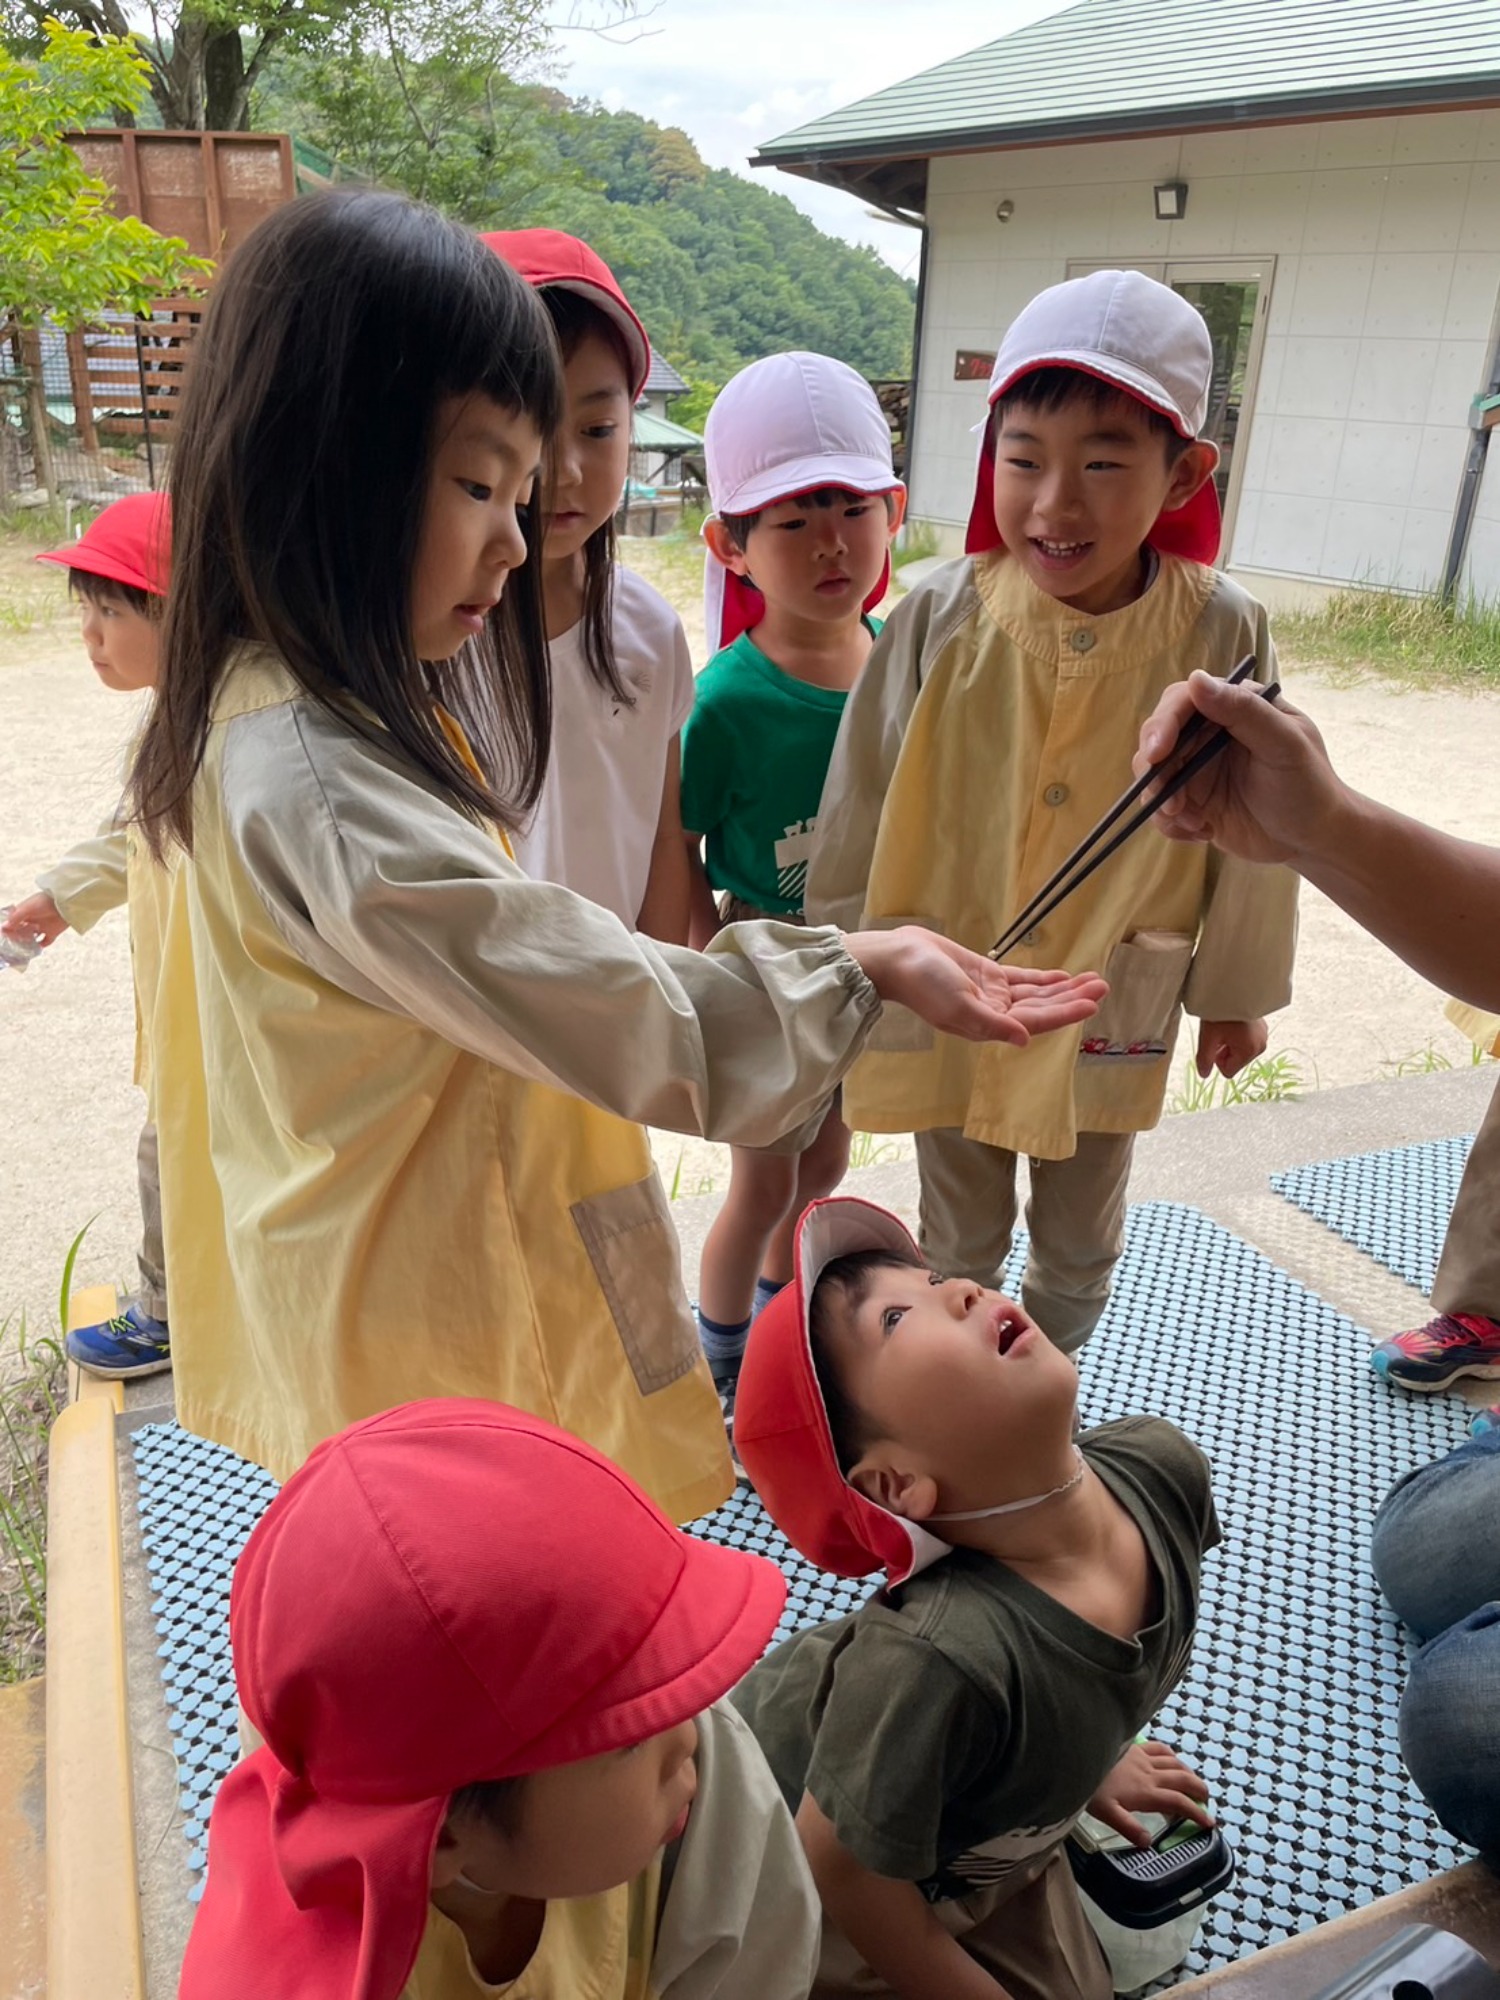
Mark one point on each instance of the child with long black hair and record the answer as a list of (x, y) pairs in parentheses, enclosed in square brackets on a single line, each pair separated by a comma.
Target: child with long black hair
[(398, 1082), (609, 819)]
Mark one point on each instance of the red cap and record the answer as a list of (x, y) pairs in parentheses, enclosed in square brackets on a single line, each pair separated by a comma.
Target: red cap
[(781, 1425), (451, 1592), (550, 257), (130, 543)]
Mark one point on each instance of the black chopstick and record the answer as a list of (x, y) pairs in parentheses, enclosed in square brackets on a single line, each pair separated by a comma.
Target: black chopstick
[(1063, 882)]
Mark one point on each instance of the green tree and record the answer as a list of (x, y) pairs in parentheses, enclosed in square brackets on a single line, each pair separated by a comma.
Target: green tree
[(64, 253), (203, 57)]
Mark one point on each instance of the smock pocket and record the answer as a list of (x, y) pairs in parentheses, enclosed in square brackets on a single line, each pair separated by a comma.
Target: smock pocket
[(897, 1030), (632, 1246), (1138, 1021)]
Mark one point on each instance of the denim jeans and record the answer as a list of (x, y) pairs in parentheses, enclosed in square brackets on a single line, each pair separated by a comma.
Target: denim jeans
[(1436, 1552)]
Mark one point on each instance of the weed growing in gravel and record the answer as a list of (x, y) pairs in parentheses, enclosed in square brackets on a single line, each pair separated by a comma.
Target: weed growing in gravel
[(33, 1390), (1272, 1078)]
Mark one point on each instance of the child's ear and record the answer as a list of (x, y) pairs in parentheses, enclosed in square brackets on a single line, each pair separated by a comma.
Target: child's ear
[(447, 1858), (895, 505), (723, 546), (912, 1495), (1196, 465)]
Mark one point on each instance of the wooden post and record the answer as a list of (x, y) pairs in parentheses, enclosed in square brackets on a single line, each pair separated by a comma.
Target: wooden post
[(36, 410), (83, 393)]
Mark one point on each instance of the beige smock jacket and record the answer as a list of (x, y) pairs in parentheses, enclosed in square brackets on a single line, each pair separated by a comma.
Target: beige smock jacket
[(738, 1917), (398, 1086), (95, 877), (990, 729)]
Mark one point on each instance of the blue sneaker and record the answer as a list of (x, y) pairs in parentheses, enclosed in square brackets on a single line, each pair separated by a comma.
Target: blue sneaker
[(119, 1349), (1487, 1421)]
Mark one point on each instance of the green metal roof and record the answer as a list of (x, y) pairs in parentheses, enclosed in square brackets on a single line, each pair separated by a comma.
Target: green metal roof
[(1109, 67), (649, 432)]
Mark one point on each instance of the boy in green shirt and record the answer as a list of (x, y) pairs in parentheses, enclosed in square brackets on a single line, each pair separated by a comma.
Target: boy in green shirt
[(806, 501), (937, 1746)]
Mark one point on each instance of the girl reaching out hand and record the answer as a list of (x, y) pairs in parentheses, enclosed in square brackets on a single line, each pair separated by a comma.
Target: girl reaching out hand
[(400, 1085)]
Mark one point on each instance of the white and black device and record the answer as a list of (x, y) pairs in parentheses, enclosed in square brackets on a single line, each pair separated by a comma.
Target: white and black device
[(1142, 1888)]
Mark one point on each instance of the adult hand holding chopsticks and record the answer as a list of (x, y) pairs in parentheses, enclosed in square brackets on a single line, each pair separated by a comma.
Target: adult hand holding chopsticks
[(1272, 796), (1275, 796)]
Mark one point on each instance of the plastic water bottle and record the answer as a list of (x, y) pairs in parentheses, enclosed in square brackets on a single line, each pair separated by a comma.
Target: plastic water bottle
[(17, 953)]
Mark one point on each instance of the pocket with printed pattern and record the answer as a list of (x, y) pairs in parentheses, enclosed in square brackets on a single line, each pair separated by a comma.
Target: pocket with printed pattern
[(1138, 1021)]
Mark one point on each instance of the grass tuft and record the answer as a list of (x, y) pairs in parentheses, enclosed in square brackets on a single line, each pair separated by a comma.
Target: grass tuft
[(33, 1391), (1270, 1079), (1420, 641)]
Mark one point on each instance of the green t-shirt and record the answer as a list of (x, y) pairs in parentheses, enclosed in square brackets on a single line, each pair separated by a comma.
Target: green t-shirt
[(755, 752), (952, 1729)]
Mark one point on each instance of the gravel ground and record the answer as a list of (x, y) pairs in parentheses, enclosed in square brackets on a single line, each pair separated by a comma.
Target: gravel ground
[(66, 1025)]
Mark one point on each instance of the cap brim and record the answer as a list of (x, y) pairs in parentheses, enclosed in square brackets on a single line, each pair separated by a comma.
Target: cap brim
[(1107, 368), (631, 330), (717, 1623), (93, 563), (857, 474)]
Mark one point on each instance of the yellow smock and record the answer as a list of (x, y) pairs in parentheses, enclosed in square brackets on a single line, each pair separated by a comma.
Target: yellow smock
[(993, 725), (399, 1091)]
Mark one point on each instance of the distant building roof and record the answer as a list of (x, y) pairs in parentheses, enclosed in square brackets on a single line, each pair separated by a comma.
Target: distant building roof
[(664, 379), (1109, 68), (649, 432)]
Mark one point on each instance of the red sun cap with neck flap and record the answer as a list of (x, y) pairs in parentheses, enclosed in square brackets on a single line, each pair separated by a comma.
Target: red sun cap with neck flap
[(1132, 335), (448, 1593)]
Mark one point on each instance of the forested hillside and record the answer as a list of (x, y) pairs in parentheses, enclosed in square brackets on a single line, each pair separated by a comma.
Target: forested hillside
[(722, 270)]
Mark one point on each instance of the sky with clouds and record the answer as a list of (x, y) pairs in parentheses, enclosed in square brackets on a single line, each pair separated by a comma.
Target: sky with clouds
[(734, 73)]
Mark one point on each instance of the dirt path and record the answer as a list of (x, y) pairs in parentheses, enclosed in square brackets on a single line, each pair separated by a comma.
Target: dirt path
[(66, 1025)]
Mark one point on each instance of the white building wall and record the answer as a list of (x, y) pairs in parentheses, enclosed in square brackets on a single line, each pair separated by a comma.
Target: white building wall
[(1386, 239)]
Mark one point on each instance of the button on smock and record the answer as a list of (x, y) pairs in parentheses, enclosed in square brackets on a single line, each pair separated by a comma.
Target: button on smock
[(1056, 795), (1082, 641)]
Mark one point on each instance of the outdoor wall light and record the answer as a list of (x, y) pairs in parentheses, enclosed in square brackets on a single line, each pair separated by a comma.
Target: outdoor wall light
[(1171, 200), (1005, 210)]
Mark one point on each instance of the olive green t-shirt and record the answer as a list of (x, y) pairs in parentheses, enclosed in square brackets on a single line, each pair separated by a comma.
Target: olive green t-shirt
[(755, 752), (953, 1728)]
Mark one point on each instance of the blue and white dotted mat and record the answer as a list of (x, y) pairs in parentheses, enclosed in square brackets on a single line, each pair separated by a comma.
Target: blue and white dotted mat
[(1289, 1709), (1393, 1205)]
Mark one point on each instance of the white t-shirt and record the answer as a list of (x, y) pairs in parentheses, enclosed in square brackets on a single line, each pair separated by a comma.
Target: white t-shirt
[(595, 822)]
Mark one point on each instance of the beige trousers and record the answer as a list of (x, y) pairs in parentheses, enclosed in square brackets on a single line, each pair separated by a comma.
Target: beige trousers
[(1034, 1938), (151, 1258), (1468, 1274), (1076, 1216)]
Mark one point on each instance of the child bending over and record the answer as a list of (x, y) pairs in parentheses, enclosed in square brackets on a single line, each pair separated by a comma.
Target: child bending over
[(486, 1671), (938, 1745)]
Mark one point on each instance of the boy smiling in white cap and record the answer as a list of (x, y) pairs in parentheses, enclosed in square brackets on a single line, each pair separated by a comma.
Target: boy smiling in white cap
[(993, 726), (806, 501)]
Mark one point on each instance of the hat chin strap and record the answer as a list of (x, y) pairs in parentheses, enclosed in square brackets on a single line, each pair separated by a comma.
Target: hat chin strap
[(1019, 1506)]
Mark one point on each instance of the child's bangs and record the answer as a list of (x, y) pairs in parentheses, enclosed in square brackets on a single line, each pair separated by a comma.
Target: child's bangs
[(494, 339), (574, 318)]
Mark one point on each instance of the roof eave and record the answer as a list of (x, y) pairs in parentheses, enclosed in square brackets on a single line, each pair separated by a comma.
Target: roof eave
[(824, 162)]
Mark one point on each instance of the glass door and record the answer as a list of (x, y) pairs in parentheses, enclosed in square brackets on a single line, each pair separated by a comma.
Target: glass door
[(1233, 299)]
